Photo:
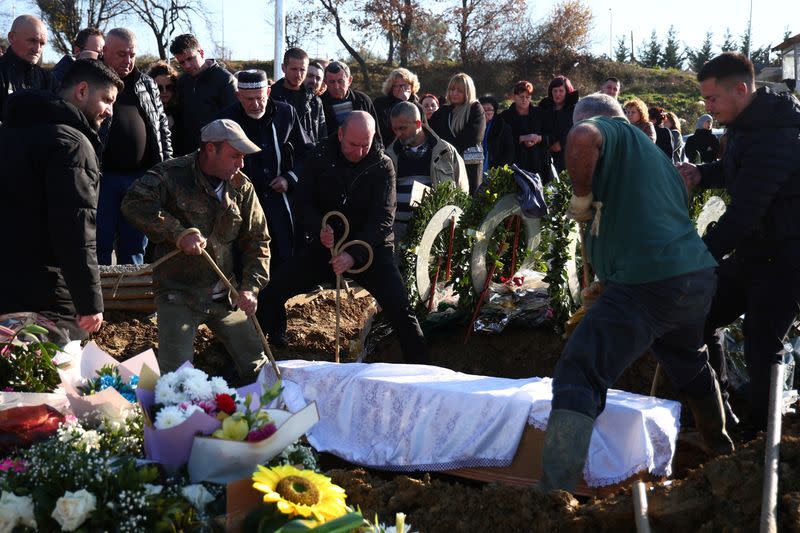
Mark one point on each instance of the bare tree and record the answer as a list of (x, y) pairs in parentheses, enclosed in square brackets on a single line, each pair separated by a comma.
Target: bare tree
[(395, 18), (65, 18), (335, 11), (164, 17), (481, 24)]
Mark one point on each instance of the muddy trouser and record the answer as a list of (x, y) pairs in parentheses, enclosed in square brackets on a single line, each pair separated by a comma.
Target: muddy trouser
[(382, 279), (666, 316), (177, 326), (767, 294)]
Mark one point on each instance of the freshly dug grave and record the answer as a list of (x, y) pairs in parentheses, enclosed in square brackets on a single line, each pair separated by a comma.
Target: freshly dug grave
[(720, 495)]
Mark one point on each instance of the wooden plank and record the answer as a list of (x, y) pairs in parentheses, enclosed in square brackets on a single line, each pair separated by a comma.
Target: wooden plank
[(128, 293), (139, 306), (126, 281)]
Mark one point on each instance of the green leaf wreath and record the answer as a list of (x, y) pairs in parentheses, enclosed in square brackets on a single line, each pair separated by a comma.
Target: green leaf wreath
[(433, 200)]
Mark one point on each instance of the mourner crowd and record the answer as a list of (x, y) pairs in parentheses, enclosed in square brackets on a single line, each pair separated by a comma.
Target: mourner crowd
[(102, 159)]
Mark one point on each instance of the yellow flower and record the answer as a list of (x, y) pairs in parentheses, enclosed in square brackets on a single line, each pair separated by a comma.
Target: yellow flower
[(301, 492)]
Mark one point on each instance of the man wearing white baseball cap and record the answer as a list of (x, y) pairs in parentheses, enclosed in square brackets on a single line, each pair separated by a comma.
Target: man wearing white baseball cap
[(196, 202)]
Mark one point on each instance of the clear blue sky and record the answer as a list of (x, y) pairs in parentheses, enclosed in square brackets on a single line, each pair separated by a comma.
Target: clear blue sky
[(249, 34)]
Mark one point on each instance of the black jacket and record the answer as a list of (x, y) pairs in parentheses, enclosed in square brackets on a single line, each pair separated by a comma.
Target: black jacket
[(383, 107), (364, 192), (664, 141), (308, 107), (761, 171), (703, 144), (471, 135), (201, 98), (531, 158), (360, 102), (500, 143), (281, 149), (17, 74), (557, 123), (60, 70), (158, 132), (49, 184)]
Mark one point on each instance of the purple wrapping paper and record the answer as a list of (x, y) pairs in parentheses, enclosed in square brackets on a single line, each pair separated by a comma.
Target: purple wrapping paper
[(171, 447)]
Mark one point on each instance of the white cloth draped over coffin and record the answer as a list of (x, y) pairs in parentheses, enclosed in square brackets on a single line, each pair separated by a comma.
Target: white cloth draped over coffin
[(416, 417)]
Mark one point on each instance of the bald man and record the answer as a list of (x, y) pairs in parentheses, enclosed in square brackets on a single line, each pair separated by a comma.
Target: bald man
[(19, 67), (351, 174)]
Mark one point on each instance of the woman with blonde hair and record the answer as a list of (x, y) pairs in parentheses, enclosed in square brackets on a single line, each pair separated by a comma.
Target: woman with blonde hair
[(461, 122), (636, 112), (401, 85)]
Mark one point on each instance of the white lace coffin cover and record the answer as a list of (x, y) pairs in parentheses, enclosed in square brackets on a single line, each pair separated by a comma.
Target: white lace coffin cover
[(417, 417)]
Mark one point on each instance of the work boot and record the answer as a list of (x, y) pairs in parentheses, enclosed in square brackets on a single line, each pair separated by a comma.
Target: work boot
[(566, 445), (709, 417)]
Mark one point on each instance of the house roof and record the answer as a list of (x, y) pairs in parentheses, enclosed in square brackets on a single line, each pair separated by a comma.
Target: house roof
[(788, 43)]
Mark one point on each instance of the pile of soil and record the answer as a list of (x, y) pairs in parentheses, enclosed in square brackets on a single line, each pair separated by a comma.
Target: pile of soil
[(720, 495)]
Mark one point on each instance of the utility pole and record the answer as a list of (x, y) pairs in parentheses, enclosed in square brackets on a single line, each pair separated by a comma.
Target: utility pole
[(222, 16), (750, 31), (280, 30), (633, 56), (610, 34)]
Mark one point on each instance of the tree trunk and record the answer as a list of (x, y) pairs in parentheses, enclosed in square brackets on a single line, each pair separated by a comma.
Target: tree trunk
[(390, 54), (352, 51), (462, 33), (405, 31)]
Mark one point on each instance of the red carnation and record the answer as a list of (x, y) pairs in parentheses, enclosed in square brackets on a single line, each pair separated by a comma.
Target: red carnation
[(225, 403)]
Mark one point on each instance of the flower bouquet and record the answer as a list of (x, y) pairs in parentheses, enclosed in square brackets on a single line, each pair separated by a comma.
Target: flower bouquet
[(29, 366), (95, 381), (222, 433)]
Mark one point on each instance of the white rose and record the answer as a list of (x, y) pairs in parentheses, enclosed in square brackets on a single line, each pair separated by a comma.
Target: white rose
[(73, 508), (15, 509), (197, 495)]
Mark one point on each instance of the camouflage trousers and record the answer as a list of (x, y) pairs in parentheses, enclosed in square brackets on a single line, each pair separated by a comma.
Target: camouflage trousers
[(177, 327)]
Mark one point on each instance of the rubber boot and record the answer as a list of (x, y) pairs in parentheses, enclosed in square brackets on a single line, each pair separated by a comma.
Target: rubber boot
[(709, 417), (566, 445)]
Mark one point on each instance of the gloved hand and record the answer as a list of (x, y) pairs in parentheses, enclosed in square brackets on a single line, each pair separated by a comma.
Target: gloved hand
[(580, 208)]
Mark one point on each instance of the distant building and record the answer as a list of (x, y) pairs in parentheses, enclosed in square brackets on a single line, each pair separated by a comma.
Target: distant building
[(790, 57)]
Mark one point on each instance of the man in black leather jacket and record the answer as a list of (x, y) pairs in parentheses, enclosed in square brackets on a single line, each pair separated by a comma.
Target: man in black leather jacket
[(19, 67), (757, 240)]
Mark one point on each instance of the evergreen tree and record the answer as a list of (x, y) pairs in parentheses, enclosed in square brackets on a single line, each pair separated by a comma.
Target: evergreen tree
[(728, 45), (697, 58), (671, 57), (745, 47), (786, 33), (650, 54), (621, 53)]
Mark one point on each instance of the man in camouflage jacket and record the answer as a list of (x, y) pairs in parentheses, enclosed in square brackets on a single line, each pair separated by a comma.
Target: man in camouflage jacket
[(196, 202)]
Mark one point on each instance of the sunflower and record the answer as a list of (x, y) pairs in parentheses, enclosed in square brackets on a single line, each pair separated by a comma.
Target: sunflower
[(300, 492)]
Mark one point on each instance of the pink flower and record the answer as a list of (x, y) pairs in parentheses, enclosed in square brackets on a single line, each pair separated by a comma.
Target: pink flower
[(17, 465), (210, 407), (263, 433)]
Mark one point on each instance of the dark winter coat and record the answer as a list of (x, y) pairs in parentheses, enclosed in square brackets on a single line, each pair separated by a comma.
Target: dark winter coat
[(500, 143), (17, 74), (49, 185), (664, 141), (158, 132), (383, 108), (308, 107), (360, 101), (761, 171), (703, 144), (364, 192), (281, 149), (471, 135), (201, 98), (60, 69), (557, 123), (533, 158)]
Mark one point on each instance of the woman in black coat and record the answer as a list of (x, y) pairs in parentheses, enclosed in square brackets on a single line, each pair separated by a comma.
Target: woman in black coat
[(461, 122), (658, 116), (401, 85), (557, 110), (498, 142), (527, 131)]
